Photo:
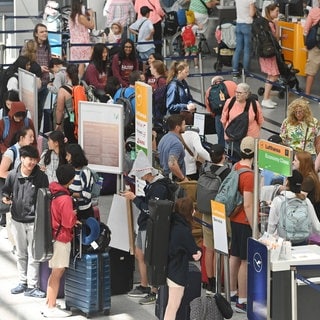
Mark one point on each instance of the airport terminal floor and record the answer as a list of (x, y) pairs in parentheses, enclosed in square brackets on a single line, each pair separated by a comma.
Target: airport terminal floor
[(19, 307)]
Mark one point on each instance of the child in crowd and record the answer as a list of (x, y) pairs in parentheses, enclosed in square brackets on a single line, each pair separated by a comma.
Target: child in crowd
[(188, 34), (113, 38), (63, 219), (59, 75)]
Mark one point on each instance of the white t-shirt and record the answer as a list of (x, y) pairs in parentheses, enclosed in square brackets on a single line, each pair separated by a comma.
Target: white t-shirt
[(242, 7)]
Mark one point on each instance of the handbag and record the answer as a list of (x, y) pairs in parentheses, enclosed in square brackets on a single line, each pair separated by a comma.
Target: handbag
[(313, 37), (209, 10), (205, 308)]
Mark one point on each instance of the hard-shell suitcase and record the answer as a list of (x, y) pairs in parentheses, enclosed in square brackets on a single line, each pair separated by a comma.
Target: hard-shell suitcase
[(121, 268), (192, 291), (157, 240), (87, 284), (42, 248), (44, 273)]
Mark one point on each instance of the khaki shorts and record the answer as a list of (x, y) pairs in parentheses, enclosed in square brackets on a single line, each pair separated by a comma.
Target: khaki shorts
[(207, 232), (313, 61), (61, 255)]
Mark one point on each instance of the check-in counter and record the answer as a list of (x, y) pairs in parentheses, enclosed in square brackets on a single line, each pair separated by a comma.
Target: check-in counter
[(292, 44)]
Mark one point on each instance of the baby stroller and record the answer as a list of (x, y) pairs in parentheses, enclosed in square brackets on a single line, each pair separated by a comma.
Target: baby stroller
[(226, 38)]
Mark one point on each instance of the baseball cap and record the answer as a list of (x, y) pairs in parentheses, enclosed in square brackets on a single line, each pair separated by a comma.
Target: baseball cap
[(295, 181), (144, 10), (247, 146), (275, 138)]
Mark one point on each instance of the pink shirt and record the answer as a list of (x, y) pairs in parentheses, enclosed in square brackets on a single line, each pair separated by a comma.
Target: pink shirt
[(155, 15), (312, 19), (238, 108)]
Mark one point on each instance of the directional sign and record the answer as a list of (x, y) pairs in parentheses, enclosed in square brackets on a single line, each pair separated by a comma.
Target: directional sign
[(275, 157)]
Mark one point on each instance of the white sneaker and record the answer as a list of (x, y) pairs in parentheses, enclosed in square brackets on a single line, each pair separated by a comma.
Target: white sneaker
[(274, 103), (56, 313), (267, 104)]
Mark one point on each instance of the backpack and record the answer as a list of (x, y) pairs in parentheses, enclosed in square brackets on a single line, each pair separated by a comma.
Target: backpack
[(266, 46), (207, 187), (42, 243), (159, 105), (313, 37), (188, 36), (237, 129), (129, 117), (97, 182), (168, 3), (175, 191), (218, 95), (78, 93), (294, 221), (6, 128), (229, 193), (182, 17), (171, 24)]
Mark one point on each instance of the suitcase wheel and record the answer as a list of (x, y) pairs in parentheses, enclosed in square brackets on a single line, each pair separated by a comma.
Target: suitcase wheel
[(106, 312)]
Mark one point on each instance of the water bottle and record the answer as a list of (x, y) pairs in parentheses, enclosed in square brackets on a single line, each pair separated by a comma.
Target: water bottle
[(100, 182)]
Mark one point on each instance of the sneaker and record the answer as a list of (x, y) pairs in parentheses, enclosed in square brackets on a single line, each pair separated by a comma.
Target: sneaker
[(234, 299), (56, 313), (139, 292), (35, 293), (149, 299), (241, 307), (211, 288), (267, 104), (274, 103), (20, 288)]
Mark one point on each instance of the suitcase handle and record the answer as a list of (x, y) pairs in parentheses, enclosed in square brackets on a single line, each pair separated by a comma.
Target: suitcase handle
[(77, 231)]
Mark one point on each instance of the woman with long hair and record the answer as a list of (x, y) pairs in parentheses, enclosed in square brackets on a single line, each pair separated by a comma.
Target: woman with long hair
[(179, 97), (11, 74), (182, 248), (54, 156), (301, 130), (124, 62), (303, 162), (269, 65), (97, 70), (64, 102), (79, 23), (81, 186)]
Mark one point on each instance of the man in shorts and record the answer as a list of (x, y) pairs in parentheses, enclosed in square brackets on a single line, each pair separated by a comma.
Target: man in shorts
[(63, 219), (155, 189)]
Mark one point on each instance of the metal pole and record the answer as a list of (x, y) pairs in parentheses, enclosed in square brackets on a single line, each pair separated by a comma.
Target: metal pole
[(255, 231), (226, 277), (2, 52), (3, 28), (201, 79), (294, 315), (218, 271)]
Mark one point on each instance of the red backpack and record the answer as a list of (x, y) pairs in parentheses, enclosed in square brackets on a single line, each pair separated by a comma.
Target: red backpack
[(188, 36)]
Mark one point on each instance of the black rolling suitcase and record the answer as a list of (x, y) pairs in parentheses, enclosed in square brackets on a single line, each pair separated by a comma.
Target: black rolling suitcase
[(192, 291), (87, 284), (42, 246), (121, 268), (157, 240)]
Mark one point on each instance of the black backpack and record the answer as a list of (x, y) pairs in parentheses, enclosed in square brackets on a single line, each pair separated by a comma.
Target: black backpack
[(218, 95), (237, 129), (313, 37), (4, 78), (129, 117), (266, 44)]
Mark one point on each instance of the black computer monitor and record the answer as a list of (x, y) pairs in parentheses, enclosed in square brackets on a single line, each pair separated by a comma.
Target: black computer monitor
[(291, 7)]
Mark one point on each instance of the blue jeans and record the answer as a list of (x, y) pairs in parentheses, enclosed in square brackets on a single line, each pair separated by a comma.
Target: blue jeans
[(243, 39), (219, 129)]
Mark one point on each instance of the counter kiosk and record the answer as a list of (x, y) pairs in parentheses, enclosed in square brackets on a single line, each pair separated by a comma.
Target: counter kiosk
[(274, 292), (292, 44)]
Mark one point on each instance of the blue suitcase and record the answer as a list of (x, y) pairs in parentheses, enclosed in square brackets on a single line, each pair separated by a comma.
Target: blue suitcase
[(87, 284)]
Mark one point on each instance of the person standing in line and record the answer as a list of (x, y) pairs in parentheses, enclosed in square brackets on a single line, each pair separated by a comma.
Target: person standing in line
[(63, 218), (20, 191), (313, 61), (156, 15), (43, 57), (156, 188), (182, 249), (79, 23), (245, 12), (171, 150), (241, 228), (269, 65)]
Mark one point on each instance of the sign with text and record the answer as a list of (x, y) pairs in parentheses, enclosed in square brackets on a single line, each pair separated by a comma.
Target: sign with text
[(219, 227), (275, 157)]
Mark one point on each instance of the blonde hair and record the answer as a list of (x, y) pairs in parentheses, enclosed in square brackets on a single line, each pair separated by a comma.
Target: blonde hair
[(175, 67), (304, 106), (30, 50)]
